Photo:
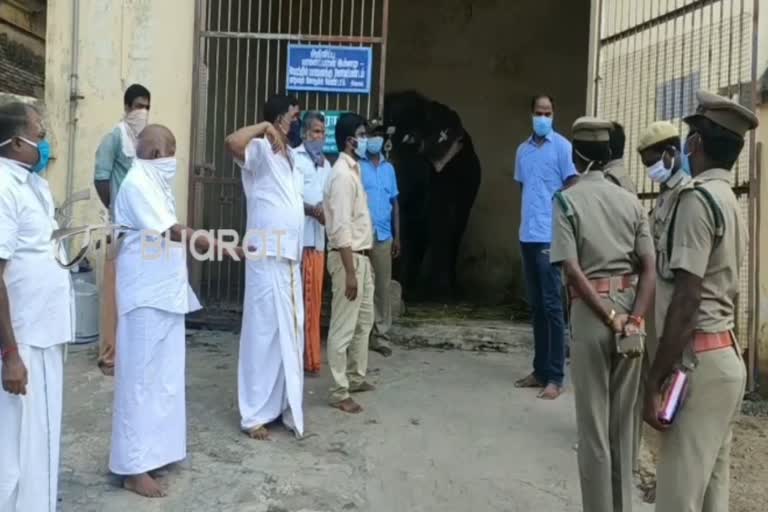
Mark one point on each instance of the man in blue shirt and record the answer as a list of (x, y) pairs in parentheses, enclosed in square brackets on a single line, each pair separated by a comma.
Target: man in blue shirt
[(380, 186), (543, 165)]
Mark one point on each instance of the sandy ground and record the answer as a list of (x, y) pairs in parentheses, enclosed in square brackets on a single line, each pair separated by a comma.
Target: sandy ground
[(445, 431)]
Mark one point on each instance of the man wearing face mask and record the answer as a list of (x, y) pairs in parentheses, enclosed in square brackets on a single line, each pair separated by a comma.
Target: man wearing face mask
[(350, 237), (659, 149), (36, 318), (153, 296), (270, 367), (113, 160), (701, 250), (380, 183), (543, 165), (602, 239), (315, 168)]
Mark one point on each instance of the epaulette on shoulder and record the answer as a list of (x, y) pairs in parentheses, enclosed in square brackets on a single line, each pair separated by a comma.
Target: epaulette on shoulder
[(714, 207)]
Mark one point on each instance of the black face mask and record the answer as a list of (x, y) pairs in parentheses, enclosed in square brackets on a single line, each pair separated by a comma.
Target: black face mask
[(294, 134)]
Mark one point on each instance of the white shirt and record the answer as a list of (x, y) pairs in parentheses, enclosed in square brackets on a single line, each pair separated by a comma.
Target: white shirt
[(151, 270), (314, 184), (39, 290), (273, 190)]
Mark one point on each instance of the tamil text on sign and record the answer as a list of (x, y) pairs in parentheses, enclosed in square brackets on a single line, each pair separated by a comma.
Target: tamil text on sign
[(340, 69)]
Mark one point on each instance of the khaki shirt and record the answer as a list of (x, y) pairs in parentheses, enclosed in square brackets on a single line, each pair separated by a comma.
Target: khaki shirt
[(694, 250), (617, 174), (347, 218), (611, 228), (661, 216)]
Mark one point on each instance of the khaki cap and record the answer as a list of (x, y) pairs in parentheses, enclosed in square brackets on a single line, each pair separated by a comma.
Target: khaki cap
[(724, 112), (657, 132), (591, 129)]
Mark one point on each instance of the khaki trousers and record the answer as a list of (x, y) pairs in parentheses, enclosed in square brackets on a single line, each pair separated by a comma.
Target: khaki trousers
[(605, 388), (108, 328), (381, 259), (694, 460), (351, 323)]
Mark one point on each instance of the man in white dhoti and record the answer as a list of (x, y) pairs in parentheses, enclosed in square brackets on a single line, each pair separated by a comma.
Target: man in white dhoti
[(153, 295), (270, 370), (35, 318)]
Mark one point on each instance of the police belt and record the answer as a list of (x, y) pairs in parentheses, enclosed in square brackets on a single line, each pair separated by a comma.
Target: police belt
[(709, 341), (606, 285)]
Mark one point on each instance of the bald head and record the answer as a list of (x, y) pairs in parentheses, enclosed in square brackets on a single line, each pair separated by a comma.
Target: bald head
[(155, 141)]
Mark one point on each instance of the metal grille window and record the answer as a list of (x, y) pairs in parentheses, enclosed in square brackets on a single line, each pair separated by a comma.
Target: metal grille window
[(652, 57), (676, 98)]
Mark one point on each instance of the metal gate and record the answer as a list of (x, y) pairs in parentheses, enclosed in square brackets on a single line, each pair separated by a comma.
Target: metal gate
[(653, 56), (241, 51)]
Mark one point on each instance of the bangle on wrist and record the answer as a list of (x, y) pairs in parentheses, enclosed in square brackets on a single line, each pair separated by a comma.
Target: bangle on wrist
[(636, 320), (5, 354), (609, 317)]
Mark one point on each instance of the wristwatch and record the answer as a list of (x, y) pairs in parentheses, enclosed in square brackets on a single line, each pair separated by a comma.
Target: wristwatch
[(611, 316)]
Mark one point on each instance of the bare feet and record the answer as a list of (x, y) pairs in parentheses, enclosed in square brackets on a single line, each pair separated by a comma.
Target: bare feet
[(529, 382), (143, 485), (363, 388), (348, 406), (258, 433), (551, 392)]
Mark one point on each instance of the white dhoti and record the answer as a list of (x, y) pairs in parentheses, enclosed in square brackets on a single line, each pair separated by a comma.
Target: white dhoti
[(30, 433), (149, 414), (271, 369)]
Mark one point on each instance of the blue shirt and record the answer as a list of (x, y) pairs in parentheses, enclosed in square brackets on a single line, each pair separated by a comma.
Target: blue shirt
[(542, 170), (380, 185)]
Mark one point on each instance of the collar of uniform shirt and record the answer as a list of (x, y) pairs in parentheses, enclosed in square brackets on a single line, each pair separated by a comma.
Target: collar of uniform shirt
[(715, 174)]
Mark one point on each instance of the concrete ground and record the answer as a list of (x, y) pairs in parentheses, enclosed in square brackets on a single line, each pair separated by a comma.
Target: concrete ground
[(445, 431)]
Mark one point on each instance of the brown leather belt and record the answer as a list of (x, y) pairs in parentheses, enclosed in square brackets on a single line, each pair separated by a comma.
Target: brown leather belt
[(708, 341), (364, 252), (603, 285)]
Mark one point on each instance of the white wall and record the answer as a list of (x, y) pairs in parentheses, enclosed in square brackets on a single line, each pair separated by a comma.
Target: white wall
[(120, 42)]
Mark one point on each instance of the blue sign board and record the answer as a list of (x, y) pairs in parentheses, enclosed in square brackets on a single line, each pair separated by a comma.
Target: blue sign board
[(339, 69)]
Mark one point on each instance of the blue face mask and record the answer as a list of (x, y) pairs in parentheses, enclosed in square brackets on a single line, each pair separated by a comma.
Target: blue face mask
[(362, 147), (685, 161), (375, 144), (315, 150), (542, 125), (43, 152)]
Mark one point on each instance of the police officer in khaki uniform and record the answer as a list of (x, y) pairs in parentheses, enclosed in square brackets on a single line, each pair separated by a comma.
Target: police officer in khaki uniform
[(702, 249), (615, 171), (661, 153), (602, 239)]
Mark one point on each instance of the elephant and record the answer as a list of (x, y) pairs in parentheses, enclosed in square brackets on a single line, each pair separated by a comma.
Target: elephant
[(439, 174)]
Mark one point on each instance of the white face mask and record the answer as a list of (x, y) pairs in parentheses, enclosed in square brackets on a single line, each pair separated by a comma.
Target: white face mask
[(137, 120), (165, 167), (659, 173)]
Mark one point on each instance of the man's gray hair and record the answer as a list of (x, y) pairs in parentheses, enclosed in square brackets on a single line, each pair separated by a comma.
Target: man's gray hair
[(309, 118)]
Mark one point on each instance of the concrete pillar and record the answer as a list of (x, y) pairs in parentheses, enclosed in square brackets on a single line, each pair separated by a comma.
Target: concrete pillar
[(760, 323), (593, 56)]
